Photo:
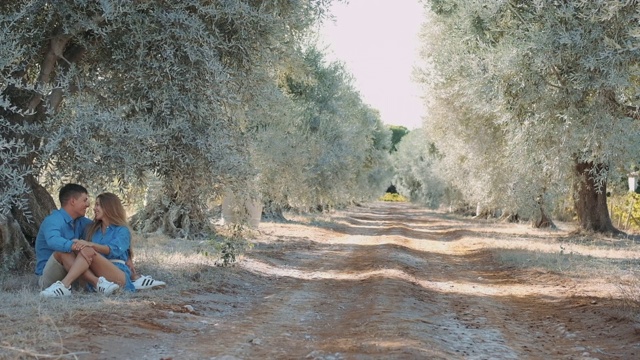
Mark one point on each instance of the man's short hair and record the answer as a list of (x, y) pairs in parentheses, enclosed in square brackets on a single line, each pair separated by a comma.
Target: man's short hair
[(70, 190)]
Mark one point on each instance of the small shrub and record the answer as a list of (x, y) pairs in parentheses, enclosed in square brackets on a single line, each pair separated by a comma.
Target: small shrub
[(229, 247)]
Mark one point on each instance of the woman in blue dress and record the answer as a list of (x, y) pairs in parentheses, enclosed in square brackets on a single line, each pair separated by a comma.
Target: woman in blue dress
[(105, 251)]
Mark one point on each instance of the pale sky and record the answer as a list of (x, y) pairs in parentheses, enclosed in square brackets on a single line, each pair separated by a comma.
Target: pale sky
[(377, 40)]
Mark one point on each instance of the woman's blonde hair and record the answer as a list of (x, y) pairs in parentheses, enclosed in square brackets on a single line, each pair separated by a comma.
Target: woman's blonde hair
[(112, 210)]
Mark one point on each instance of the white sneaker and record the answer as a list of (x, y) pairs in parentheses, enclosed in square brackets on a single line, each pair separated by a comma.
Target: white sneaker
[(147, 282), (106, 287), (57, 289)]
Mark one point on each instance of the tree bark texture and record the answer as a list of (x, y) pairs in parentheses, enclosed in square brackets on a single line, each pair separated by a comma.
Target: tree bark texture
[(544, 220), (18, 231), (40, 204), (173, 215), (590, 199), (273, 212), (15, 249)]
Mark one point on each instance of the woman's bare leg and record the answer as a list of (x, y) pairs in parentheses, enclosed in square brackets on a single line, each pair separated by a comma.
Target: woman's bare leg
[(75, 265), (105, 268), (67, 260), (98, 265)]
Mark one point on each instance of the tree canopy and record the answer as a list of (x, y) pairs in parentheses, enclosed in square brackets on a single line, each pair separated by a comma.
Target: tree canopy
[(533, 101), (114, 92)]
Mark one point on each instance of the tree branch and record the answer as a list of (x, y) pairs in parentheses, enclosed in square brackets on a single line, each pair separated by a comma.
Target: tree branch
[(72, 55), (56, 48)]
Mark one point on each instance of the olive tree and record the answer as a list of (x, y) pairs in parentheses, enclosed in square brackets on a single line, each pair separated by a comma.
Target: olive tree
[(416, 174), (320, 145), (557, 80), (107, 92)]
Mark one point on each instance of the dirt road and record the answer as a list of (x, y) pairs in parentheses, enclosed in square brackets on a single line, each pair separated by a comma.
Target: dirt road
[(385, 281)]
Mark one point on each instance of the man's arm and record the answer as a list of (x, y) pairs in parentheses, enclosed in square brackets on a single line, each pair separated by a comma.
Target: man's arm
[(54, 236)]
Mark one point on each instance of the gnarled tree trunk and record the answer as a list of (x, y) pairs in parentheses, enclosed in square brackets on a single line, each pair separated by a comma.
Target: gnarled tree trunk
[(34, 110), (18, 230), (544, 221), (590, 199), (14, 247), (273, 212), (171, 214)]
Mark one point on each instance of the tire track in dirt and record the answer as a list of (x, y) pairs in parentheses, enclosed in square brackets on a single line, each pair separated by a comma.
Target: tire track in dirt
[(363, 302), (387, 281)]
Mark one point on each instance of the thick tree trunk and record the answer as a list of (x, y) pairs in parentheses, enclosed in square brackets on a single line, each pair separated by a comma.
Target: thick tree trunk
[(15, 250), (590, 199), (173, 215), (544, 221), (273, 212), (40, 204), (169, 218), (19, 228)]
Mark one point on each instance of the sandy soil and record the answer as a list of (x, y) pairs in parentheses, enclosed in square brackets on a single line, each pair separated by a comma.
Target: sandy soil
[(384, 281)]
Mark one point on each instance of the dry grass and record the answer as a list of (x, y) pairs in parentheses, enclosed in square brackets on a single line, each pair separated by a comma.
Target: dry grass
[(31, 324), (33, 327), (572, 258), (585, 258), (629, 287)]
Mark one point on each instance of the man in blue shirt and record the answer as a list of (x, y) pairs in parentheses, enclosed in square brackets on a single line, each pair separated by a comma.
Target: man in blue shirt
[(58, 232)]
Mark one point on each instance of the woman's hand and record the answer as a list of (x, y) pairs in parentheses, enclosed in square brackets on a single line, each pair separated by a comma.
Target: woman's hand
[(80, 244)]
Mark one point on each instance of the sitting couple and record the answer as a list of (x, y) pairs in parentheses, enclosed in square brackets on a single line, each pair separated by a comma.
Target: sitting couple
[(103, 259)]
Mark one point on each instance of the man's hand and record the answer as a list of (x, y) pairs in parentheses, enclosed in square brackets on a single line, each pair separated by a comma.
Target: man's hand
[(79, 244)]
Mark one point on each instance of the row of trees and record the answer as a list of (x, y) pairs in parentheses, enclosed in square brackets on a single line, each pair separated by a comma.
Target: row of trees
[(328, 147), (531, 104), (205, 96)]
